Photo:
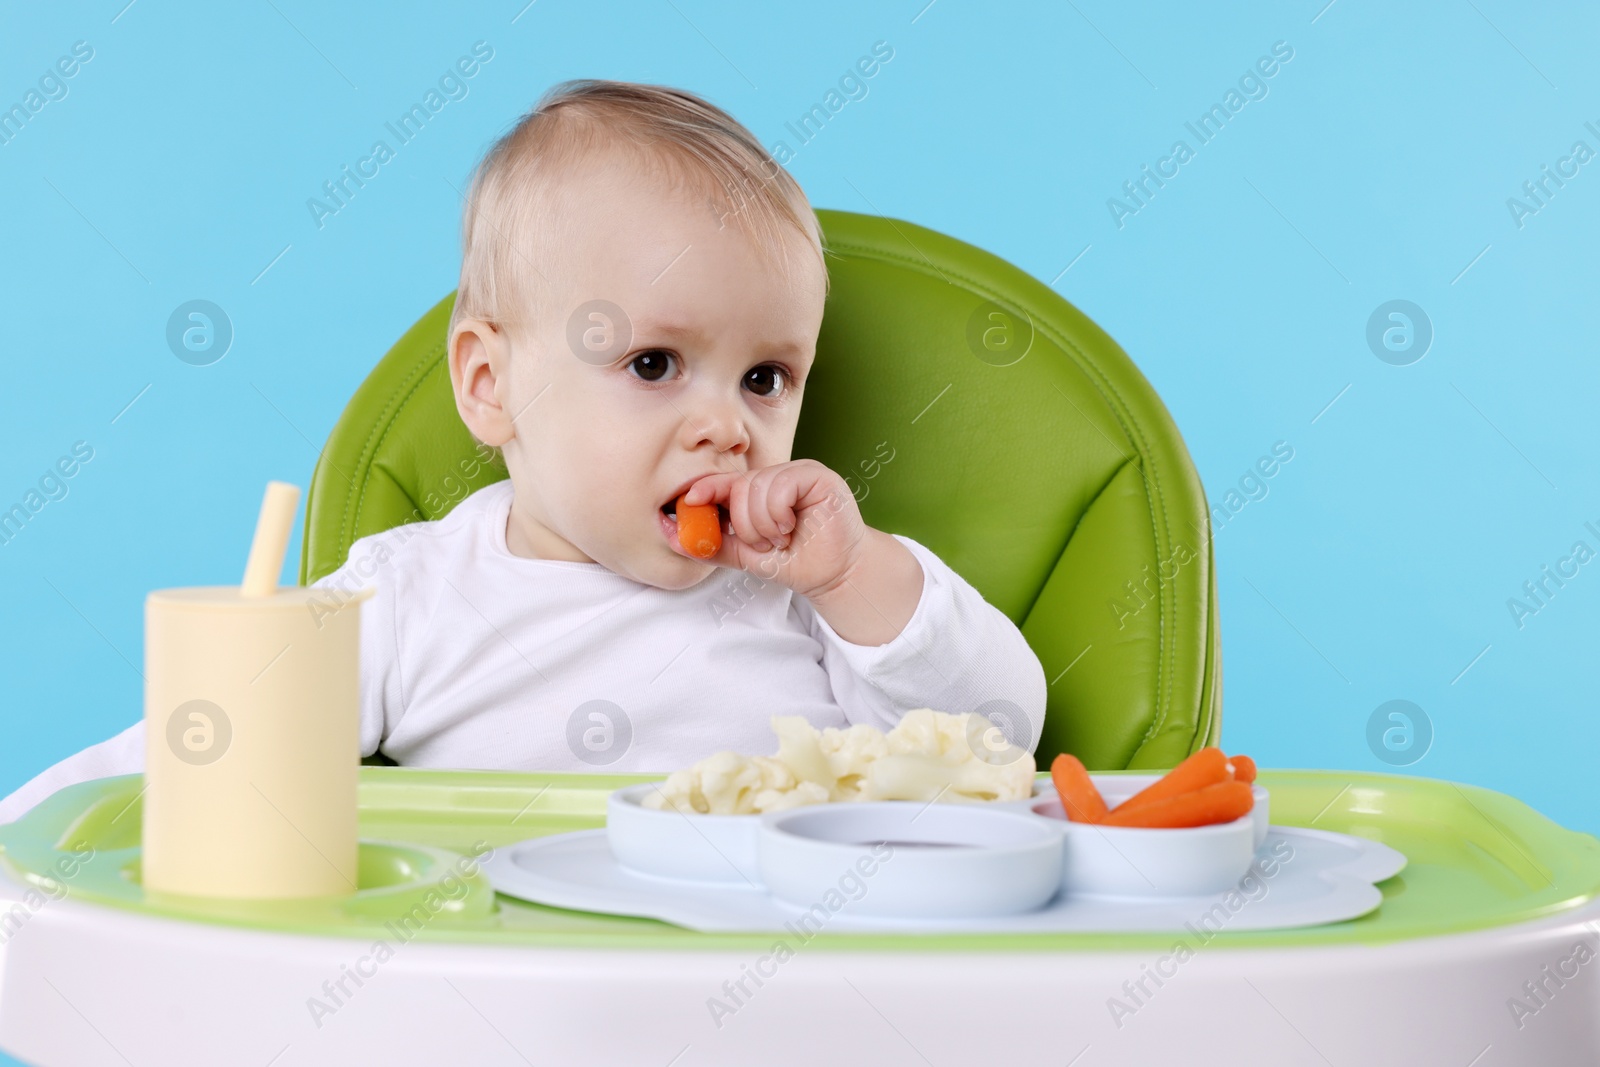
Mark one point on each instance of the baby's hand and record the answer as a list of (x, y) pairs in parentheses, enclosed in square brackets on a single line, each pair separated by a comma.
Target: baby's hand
[(795, 523)]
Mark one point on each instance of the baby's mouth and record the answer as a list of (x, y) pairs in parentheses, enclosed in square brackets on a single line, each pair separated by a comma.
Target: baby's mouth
[(670, 510)]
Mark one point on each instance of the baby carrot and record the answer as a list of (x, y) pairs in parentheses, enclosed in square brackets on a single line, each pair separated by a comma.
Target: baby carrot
[(1244, 769), (1216, 803), (699, 528), (1203, 768), (1079, 798)]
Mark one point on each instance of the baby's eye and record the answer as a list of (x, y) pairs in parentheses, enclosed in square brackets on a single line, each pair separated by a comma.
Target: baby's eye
[(652, 366), (766, 380)]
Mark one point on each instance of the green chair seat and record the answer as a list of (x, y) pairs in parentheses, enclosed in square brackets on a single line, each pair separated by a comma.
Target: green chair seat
[(969, 407)]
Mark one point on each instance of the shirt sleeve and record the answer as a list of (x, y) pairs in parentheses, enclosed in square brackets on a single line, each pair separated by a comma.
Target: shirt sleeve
[(957, 653), (120, 754), (370, 564)]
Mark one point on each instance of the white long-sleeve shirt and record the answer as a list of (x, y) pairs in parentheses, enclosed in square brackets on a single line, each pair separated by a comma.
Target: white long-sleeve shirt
[(472, 657)]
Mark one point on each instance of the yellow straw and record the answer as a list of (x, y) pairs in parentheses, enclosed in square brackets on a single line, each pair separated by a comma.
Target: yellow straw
[(272, 538)]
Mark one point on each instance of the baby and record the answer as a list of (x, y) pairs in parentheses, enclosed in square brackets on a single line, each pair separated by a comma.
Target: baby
[(641, 292)]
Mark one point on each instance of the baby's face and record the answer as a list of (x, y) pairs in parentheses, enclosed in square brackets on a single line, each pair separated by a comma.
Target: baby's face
[(676, 352)]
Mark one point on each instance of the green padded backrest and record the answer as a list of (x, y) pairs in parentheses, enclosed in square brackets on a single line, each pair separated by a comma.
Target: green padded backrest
[(969, 407)]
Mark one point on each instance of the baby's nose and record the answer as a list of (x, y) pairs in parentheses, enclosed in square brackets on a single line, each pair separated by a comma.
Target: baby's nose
[(718, 426)]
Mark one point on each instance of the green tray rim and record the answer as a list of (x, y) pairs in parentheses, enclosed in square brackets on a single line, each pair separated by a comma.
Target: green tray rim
[(1540, 868)]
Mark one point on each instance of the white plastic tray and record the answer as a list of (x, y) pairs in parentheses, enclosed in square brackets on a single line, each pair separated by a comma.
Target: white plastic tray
[(1317, 877)]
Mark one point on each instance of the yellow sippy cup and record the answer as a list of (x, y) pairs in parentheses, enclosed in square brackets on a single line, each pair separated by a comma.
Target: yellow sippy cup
[(252, 731)]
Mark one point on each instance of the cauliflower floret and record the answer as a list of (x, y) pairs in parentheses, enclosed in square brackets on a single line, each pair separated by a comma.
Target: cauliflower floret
[(849, 753), (935, 755), (925, 732), (725, 783), (929, 755), (800, 747), (831, 758), (911, 776), (801, 793)]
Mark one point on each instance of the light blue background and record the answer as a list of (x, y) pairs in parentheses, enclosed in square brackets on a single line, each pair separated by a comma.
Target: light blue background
[(1377, 167)]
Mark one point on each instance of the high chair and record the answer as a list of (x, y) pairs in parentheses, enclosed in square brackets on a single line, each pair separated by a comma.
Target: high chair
[(969, 407)]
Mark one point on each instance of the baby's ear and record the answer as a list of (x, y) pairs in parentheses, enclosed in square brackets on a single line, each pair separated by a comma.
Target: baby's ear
[(479, 356)]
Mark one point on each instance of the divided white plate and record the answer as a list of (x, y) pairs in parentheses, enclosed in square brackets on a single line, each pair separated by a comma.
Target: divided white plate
[(1317, 877)]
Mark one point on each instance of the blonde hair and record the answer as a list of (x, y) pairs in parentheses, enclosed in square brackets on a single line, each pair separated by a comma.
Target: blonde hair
[(691, 142)]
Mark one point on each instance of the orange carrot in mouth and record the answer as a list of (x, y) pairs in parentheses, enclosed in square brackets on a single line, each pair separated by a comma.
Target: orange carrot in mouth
[(1080, 800), (1216, 803), (1206, 767), (1244, 769), (699, 528)]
